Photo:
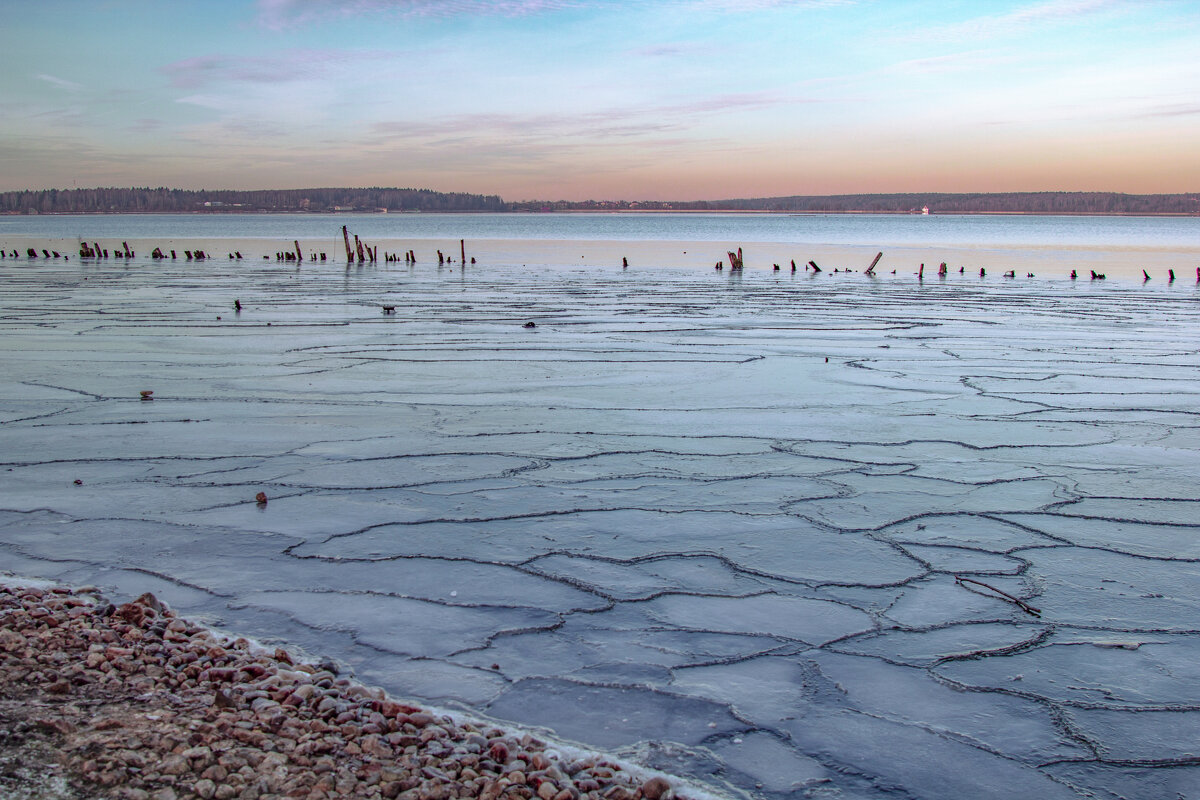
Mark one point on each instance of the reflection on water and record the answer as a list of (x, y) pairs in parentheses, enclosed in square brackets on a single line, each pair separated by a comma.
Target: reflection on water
[(815, 229)]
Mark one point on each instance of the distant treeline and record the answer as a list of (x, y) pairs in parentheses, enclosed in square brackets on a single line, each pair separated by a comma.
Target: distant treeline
[(999, 203), (1003, 203), (81, 201)]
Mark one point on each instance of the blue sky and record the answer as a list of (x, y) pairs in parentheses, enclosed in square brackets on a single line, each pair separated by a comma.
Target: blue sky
[(603, 99)]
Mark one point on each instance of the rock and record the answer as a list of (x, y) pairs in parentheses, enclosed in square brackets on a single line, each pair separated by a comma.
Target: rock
[(263, 705), (150, 601), (173, 764), (215, 773), (657, 789), (375, 746)]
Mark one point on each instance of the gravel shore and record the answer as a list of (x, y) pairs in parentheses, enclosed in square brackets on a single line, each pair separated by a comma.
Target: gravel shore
[(133, 702)]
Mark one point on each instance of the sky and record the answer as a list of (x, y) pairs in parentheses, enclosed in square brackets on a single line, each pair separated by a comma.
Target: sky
[(603, 99)]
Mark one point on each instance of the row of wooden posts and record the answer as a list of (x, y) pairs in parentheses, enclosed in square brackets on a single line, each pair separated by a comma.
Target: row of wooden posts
[(365, 252), (362, 252), (736, 265), (361, 249), (94, 250)]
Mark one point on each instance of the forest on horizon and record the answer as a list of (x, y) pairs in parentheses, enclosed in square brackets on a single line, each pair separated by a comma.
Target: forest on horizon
[(323, 200)]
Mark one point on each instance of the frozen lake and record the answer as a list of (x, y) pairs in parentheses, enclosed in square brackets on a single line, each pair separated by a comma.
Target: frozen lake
[(711, 522)]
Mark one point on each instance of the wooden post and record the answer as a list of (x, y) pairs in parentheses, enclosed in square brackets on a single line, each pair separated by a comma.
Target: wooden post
[(813, 264), (358, 248), (462, 250), (299, 255), (871, 269), (346, 239)]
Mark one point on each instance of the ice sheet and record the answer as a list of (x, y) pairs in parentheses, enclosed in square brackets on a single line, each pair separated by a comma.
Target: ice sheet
[(711, 520)]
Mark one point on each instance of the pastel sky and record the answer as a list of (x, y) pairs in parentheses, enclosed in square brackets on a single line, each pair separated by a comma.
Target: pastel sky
[(603, 99)]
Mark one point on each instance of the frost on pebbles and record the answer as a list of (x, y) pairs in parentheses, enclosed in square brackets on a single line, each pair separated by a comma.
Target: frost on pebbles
[(130, 701)]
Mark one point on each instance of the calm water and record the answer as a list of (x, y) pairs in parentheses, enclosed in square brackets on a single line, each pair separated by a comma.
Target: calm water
[(833, 229)]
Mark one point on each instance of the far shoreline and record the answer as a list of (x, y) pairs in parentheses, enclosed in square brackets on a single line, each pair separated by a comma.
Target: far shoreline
[(614, 211)]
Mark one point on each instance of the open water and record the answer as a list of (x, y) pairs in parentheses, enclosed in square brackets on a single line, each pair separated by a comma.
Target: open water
[(751, 529), (845, 229)]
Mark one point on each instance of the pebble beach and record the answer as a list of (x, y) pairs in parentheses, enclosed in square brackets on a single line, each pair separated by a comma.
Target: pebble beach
[(132, 701)]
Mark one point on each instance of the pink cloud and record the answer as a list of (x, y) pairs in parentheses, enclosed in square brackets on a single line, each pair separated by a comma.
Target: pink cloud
[(1030, 16), (285, 13), (276, 14), (192, 73)]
